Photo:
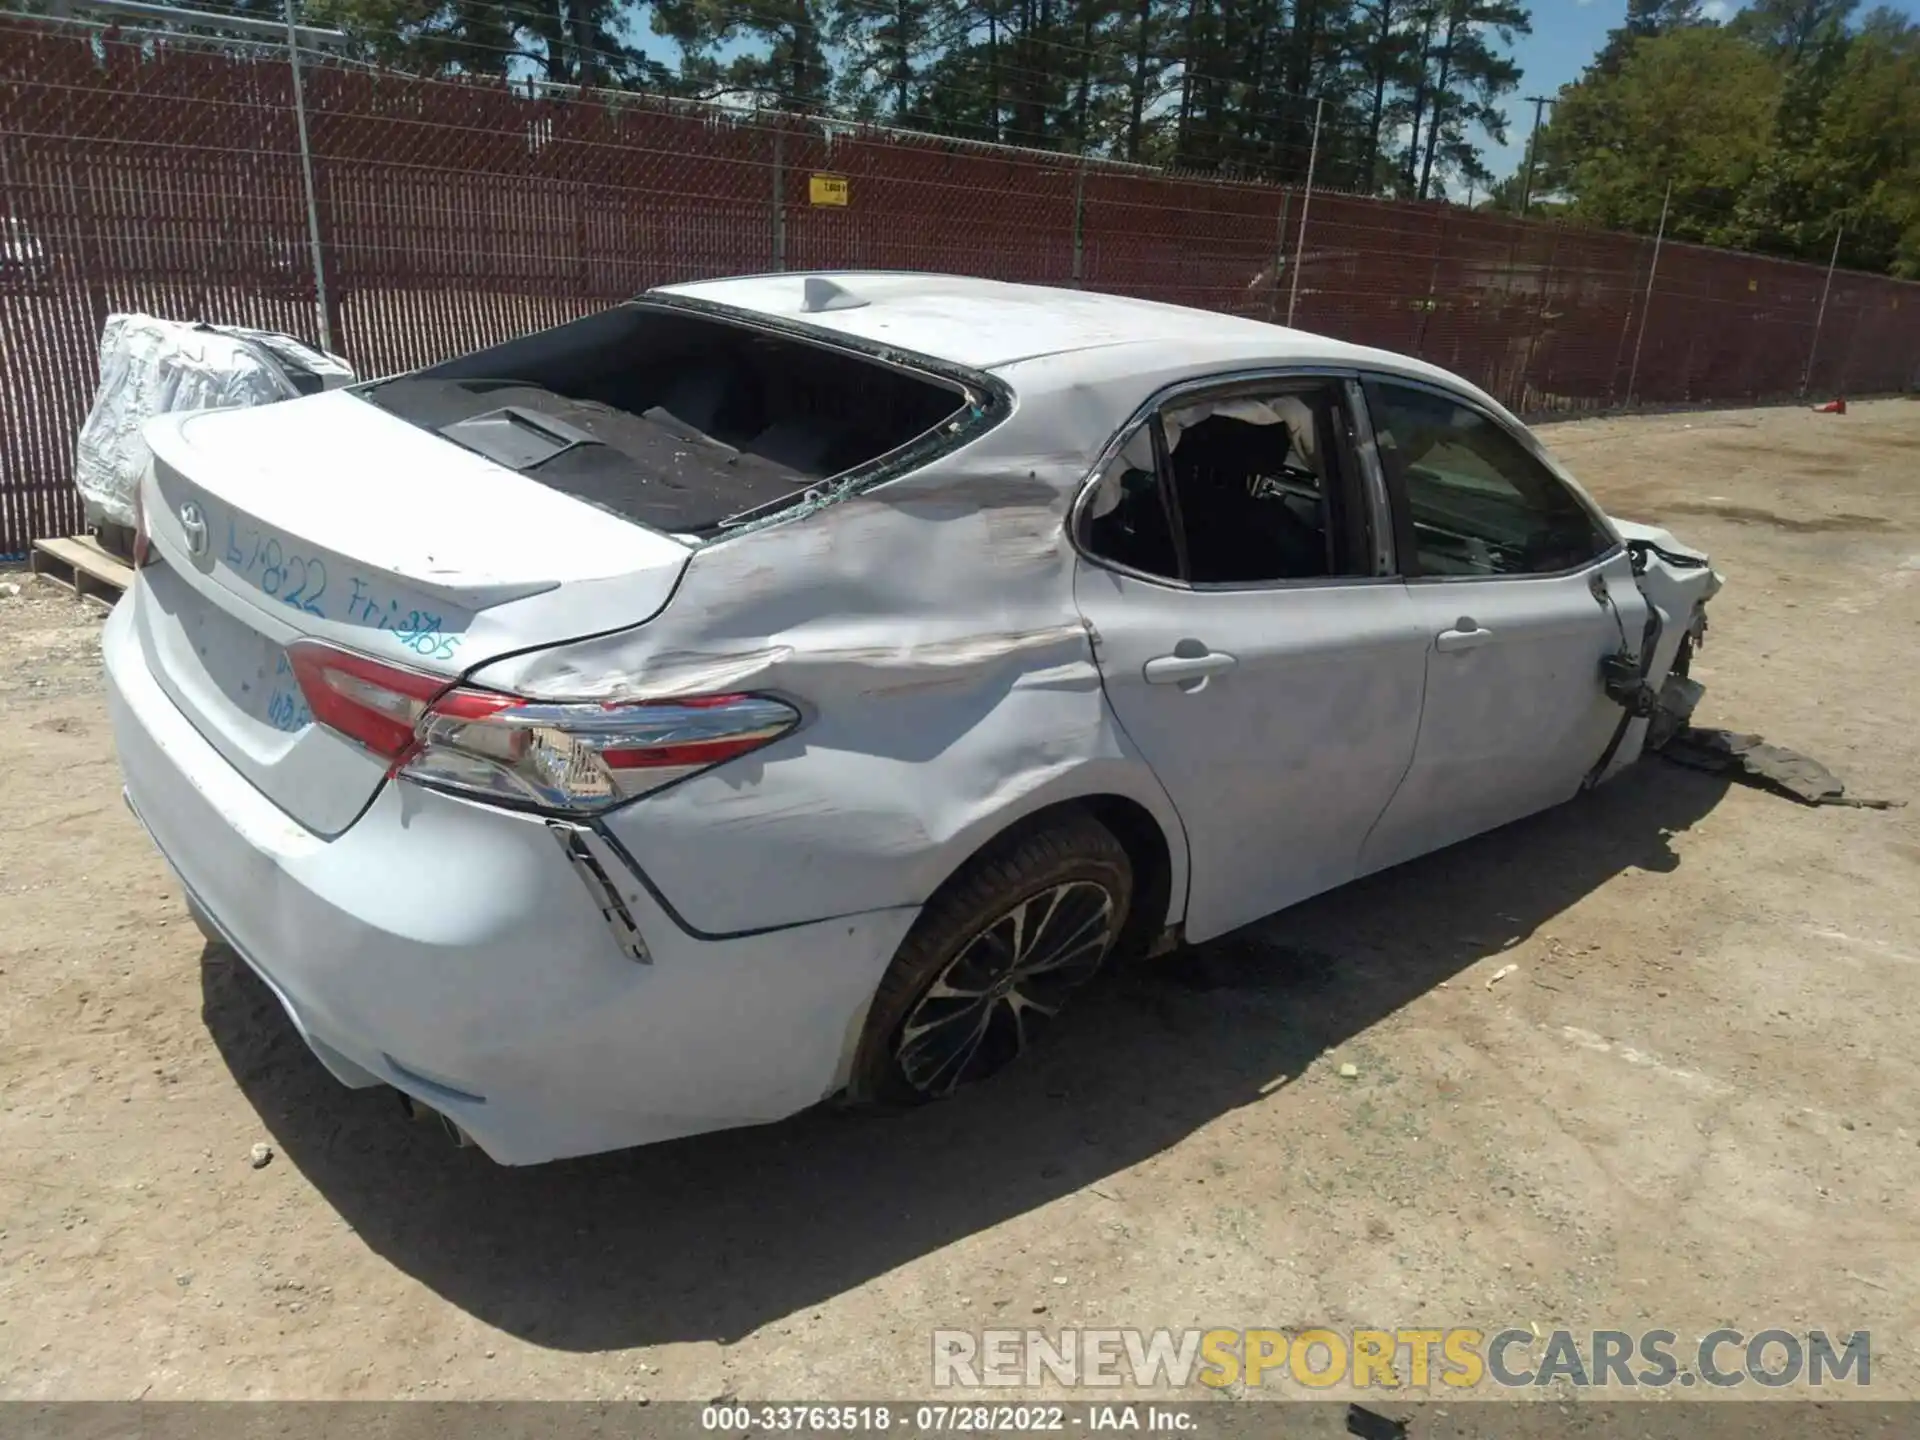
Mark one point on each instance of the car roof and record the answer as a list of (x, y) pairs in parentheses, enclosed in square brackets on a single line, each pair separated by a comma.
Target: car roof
[(990, 324)]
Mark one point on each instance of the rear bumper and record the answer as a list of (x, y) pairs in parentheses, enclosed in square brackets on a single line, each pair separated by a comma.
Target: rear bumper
[(451, 950)]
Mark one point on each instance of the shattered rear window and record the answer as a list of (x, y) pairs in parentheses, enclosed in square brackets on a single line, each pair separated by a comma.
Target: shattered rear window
[(681, 421)]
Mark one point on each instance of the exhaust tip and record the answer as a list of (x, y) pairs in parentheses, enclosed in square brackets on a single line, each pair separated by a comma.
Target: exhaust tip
[(418, 1110), (459, 1137)]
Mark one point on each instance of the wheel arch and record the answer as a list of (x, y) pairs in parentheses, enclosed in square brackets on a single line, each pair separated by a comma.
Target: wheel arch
[(1155, 846), (982, 875)]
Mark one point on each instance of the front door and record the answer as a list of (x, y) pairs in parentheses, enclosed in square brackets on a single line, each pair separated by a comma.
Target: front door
[(1268, 676), (1521, 591)]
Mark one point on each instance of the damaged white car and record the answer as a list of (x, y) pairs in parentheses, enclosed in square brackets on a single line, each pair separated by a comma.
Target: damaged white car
[(799, 686)]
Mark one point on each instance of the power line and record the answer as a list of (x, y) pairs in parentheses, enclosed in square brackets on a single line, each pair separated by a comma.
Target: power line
[(266, 29)]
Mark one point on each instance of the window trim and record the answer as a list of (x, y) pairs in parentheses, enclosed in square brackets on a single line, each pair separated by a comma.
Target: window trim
[(1396, 486), (1359, 489), (1169, 502), (1382, 526)]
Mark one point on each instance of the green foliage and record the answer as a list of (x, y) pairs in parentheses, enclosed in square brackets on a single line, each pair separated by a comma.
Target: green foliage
[(1795, 118), (1790, 29), (1695, 107), (1776, 132), (1864, 159), (569, 42), (1222, 86), (1461, 70), (1645, 19)]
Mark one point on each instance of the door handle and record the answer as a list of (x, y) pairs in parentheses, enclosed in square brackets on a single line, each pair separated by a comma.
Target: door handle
[(1466, 634), (1178, 669)]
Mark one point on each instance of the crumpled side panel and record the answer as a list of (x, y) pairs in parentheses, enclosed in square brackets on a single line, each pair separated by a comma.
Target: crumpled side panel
[(921, 581), (928, 632), (1678, 594)]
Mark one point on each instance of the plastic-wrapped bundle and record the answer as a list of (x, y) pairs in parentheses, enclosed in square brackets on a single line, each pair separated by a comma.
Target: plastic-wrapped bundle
[(149, 366)]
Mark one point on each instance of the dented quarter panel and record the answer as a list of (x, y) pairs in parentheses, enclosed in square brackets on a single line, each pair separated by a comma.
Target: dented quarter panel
[(930, 619)]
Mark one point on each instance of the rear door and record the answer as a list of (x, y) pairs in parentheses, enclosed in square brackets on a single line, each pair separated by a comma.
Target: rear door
[(1521, 591), (1250, 642)]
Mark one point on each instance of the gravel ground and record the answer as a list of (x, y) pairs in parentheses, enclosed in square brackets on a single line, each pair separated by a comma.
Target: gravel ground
[(1691, 1104)]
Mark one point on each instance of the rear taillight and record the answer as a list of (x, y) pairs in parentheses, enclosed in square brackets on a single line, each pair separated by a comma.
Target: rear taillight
[(576, 757), (540, 754), (366, 700)]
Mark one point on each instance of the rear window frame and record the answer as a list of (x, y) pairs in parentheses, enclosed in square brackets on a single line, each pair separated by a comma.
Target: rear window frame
[(985, 401), (982, 402)]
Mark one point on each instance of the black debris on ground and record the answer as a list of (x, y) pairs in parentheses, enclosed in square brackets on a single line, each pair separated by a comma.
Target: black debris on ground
[(1771, 767)]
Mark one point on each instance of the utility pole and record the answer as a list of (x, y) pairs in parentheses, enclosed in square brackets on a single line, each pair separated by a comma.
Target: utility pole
[(306, 178), (1540, 102), (1806, 376), (1306, 200), (1660, 235)]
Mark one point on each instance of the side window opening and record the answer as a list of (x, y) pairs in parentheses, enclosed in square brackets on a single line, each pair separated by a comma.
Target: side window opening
[(1246, 490), (1255, 488), (1130, 520), (1479, 502)]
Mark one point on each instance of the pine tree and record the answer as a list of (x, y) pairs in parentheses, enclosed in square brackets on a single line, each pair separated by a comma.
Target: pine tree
[(1461, 74)]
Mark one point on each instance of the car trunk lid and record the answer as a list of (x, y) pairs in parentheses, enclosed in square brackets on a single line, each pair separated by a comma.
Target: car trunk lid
[(328, 518)]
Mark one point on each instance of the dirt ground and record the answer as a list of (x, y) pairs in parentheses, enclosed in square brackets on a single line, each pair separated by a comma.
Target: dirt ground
[(1693, 1104)]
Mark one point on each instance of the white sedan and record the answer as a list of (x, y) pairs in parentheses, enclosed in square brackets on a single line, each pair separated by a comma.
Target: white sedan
[(797, 686)]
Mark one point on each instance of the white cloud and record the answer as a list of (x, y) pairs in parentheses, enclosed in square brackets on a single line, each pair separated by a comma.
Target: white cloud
[(1715, 10)]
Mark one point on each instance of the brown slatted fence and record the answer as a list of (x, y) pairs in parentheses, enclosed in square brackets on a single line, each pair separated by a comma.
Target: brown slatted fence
[(163, 175)]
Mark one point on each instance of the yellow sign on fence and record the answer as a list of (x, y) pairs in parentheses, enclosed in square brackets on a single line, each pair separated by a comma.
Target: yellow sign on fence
[(827, 189)]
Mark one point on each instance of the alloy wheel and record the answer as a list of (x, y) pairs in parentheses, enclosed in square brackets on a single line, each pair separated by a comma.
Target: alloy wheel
[(985, 1007)]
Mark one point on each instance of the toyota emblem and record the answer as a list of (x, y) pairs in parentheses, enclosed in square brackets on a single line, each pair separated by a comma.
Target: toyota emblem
[(193, 525)]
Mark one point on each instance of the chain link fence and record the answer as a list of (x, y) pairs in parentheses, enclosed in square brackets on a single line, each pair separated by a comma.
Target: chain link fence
[(164, 174)]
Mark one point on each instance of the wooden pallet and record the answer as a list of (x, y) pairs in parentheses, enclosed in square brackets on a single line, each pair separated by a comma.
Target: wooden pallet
[(82, 566)]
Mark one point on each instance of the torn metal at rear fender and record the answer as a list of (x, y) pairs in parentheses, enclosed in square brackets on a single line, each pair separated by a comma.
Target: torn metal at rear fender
[(873, 615), (606, 899)]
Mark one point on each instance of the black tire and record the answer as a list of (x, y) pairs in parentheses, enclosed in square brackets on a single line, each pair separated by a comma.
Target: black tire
[(1003, 981)]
